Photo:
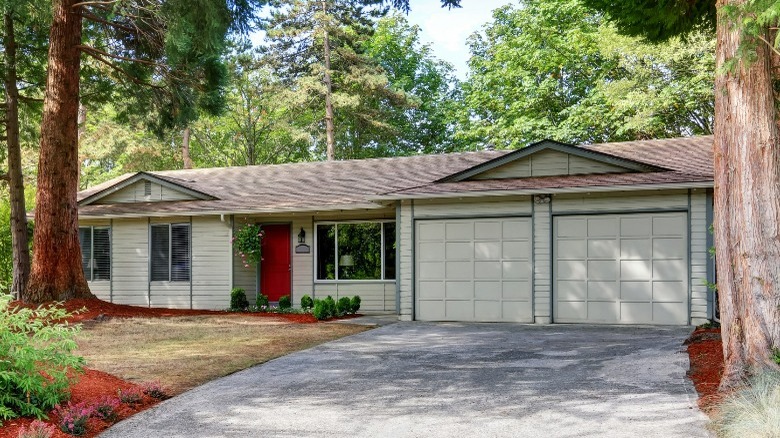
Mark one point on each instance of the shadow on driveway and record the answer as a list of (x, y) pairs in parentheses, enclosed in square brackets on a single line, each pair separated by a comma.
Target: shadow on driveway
[(450, 380)]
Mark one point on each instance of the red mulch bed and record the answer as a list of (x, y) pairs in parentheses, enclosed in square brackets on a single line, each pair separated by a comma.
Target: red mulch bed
[(705, 351), (94, 385)]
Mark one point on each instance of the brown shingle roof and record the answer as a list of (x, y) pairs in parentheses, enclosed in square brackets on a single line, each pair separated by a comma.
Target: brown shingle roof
[(354, 184)]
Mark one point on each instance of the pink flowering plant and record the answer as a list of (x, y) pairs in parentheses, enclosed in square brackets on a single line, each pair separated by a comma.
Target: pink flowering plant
[(154, 390), (73, 417), (246, 243), (106, 409), (36, 429)]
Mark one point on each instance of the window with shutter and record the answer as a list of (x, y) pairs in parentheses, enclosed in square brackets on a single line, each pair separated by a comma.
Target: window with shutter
[(170, 252), (95, 252)]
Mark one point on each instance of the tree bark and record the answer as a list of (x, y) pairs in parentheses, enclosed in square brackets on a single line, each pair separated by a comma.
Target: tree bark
[(185, 148), (19, 237), (56, 270), (747, 204), (330, 135)]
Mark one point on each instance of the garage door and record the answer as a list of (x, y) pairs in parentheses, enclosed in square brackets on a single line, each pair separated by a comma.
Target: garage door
[(473, 270), (621, 269)]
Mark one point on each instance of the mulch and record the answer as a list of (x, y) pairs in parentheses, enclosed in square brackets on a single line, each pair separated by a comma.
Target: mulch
[(705, 351)]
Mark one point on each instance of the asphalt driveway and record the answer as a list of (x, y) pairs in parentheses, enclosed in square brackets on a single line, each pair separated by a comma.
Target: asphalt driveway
[(450, 380)]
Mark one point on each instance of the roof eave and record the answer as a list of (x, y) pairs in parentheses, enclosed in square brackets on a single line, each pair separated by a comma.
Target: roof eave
[(138, 176)]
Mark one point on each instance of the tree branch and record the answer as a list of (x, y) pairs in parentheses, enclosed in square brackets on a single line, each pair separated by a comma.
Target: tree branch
[(5, 177), (90, 49), (93, 3), (29, 99), (119, 69), (95, 18)]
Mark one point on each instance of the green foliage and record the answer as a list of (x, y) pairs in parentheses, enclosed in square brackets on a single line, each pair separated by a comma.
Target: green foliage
[(776, 355), (6, 243), (130, 396), (753, 410), (36, 359), (261, 302), (556, 70), (306, 302), (320, 310), (330, 306), (285, 302), (72, 418), (343, 306), (238, 299), (106, 409), (354, 304), (247, 242)]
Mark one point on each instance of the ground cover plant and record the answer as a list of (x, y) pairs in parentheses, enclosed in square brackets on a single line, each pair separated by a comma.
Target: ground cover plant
[(753, 411)]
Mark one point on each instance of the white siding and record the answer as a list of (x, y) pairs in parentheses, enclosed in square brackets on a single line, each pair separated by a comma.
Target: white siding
[(374, 296), (501, 206), (618, 202), (211, 260), (547, 163), (129, 261), (404, 240), (542, 260), (699, 257), (136, 193), (302, 264), (101, 288), (243, 277)]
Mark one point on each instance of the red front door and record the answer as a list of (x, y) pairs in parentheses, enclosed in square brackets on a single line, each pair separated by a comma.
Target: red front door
[(275, 266)]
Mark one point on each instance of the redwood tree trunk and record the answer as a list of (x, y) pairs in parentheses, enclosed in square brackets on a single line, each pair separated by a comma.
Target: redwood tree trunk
[(19, 237), (56, 270), (329, 127), (185, 148), (747, 205)]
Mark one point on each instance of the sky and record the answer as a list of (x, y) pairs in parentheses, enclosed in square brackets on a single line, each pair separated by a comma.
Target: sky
[(447, 30)]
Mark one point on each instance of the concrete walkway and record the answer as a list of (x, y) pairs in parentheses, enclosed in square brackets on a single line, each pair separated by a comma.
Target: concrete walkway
[(450, 380)]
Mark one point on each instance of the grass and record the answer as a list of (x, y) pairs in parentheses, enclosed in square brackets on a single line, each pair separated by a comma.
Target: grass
[(184, 352), (753, 411)]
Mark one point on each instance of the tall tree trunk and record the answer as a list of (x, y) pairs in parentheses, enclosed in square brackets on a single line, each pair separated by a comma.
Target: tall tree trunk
[(185, 148), (19, 237), (329, 128), (747, 204), (56, 270)]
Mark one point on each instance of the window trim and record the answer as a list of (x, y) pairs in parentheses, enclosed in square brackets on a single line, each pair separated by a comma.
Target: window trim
[(382, 280), (92, 263), (170, 253)]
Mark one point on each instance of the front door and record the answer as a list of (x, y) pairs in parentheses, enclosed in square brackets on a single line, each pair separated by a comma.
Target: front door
[(275, 265)]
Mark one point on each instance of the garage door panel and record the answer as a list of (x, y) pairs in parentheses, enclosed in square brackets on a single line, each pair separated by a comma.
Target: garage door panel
[(603, 290), (484, 230), (430, 231), (460, 270), (482, 268), (637, 274), (669, 248), (636, 249), (459, 231), (603, 248), (487, 250), (487, 270)]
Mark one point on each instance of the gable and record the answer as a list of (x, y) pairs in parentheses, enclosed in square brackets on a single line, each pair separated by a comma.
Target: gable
[(144, 191), (548, 163)]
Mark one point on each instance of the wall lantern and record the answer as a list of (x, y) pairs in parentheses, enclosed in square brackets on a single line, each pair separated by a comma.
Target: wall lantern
[(302, 247), (302, 236)]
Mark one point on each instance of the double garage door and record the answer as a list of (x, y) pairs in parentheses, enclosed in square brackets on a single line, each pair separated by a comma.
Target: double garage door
[(611, 268)]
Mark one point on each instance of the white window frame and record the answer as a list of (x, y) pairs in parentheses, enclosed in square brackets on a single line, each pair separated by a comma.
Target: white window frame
[(170, 252), (92, 263), (336, 249)]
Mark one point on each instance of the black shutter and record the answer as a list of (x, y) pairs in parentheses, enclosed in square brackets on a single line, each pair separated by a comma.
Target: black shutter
[(85, 240), (101, 254), (160, 253), (180, 252)]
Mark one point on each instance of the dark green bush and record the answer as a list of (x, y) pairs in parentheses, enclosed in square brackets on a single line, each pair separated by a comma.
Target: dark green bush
[(320, 310), (330, 304), (238, 299), (36, 359), (306, 302), (354, 304), (343, 305), (262, 302), (285, 302)]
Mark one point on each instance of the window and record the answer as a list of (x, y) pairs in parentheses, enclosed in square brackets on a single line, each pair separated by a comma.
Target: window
[(95, 252), (356, 251), (170, 252)]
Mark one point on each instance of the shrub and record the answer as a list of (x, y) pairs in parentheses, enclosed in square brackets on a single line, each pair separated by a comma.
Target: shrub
[(36, 429), (343, 306), (154, 390), (247, 243), (306, 302), (238, 299), (354, 304), (105, 409), (261, 302), (36, 359), (319, 310), (73, 418), (752, 411), (131, 396), (285, 302), (330, 305)]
